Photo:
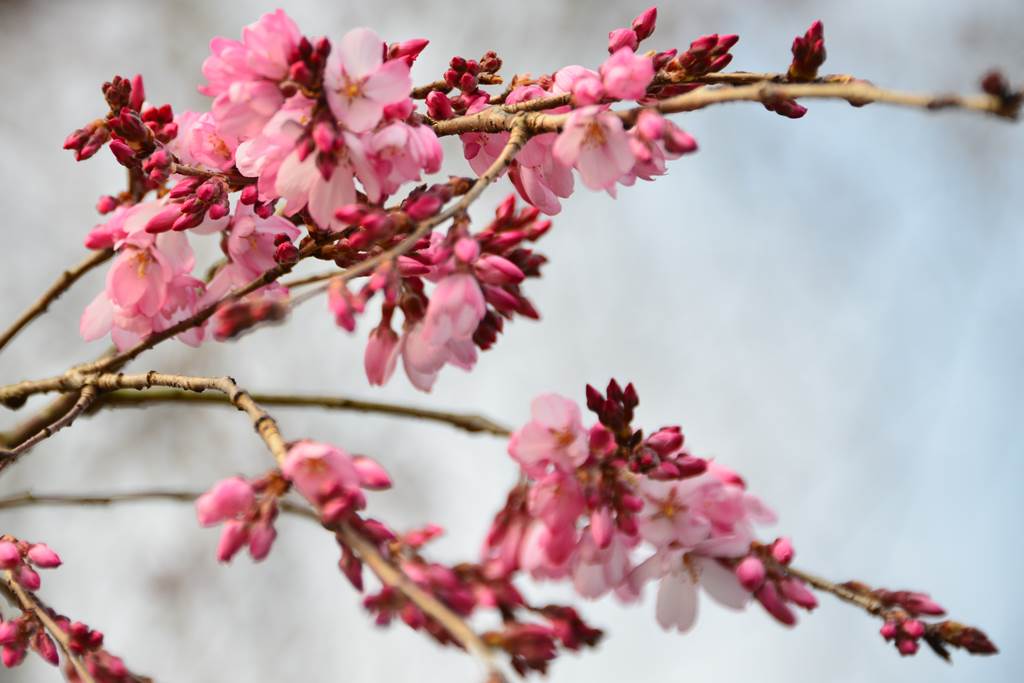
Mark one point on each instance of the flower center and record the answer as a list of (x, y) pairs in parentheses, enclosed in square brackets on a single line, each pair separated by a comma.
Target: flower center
[(594, 135)]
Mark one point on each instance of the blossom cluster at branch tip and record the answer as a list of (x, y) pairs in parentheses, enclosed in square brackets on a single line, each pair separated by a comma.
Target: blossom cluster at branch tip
[(29, 632)]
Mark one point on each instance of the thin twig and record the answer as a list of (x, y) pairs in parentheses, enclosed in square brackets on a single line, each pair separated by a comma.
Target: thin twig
[(466, 421), (389, 574), (29, 603), (496, 118), (84, 400), (61, 285)]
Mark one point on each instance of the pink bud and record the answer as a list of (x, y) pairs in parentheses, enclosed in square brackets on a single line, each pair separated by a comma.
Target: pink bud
[(380, 357), (42, 556), (913, 628), (467, 249), (439, 107), (250, 195), (261, 538), (232, 538), (228, 498), (164, 221), (769, 598), (795, 591), (12, 656), (28, 577), (106, 204), (371, 474), (751, 572), (650, 124), (782, 550), (409, 49), (217, 211), (424, 206), (677, 141), (45, 647), (643, 25), (8, 632), (889, 630), (906, 646), (10, 556), (921, 603), (497, 270), (620, 38), (138, 95), (124, 154), (666, 440)]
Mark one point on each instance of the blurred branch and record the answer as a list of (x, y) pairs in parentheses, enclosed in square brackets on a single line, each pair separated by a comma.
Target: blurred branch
[(84, 400), (61, 285), (466, 421)]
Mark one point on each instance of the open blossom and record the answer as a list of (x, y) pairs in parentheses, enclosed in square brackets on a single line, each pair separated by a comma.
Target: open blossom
[(252, 240), (201, 142), (301, 182), (400, 152), (360, 84), (554, 435), (242, 76), (248, 520), (595, 143), (445, 335), (625, 75), (332, 479), (681, 573), (148, 286)]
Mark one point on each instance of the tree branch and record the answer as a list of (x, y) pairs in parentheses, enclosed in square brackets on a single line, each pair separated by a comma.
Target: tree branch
[(84, 400), (61, 285), (466, 421), (28, 603)]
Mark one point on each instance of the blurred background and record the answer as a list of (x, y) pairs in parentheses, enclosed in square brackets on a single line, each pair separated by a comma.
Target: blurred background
[(832, 306)]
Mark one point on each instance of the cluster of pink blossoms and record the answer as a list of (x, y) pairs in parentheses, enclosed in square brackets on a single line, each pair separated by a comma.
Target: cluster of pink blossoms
[(332, 130), (612, 510), (328, 477), (27, 632)]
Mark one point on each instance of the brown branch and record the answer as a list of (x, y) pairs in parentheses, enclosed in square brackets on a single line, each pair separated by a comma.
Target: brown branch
[(61, 285), (466, 421), (84, 400), (28, 603), (29, 499), (496, 119), (389, 574)]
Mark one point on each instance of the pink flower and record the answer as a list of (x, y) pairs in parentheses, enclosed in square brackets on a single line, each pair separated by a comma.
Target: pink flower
[(330, 478), (400, 152), (599, 570), (626, 75), (595, 143), (251, 240), (263, 52), (360, 84), (553, 436), (228, 499), (681, 573), (672, 513), (201, 142), (261, 157), (455, 310), (301, 182)]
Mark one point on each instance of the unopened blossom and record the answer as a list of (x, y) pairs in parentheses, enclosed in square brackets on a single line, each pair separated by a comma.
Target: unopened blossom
[(594, 142), (360, 84), (381, 355), (553, 436)]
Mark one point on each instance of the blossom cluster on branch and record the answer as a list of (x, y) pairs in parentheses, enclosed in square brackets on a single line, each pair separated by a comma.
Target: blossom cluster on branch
[(316, 149)]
